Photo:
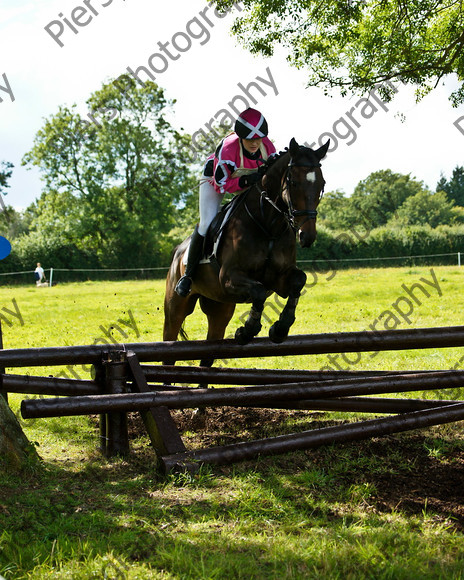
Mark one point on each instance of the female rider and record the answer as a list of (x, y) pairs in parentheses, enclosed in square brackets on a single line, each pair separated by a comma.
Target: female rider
[(231, 169)]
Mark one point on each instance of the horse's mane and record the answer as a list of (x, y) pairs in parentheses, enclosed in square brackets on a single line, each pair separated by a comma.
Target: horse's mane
[(270, 163)]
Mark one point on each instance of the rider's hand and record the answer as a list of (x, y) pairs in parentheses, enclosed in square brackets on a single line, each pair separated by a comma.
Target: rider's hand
[(249, 180)]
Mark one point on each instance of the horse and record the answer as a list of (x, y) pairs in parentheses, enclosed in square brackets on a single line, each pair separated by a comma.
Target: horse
[(257, 253)]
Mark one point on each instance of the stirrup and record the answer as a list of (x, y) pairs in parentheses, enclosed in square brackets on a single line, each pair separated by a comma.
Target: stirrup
[(183, 286)]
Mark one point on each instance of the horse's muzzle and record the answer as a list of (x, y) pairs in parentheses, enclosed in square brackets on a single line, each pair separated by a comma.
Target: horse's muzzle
[(307, 238)]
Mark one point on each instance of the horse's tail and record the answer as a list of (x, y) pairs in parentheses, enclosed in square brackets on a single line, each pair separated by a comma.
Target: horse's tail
[(183, 334)]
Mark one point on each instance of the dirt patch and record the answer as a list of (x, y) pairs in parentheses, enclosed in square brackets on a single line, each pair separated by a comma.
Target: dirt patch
[(415, 473), (432, 486)]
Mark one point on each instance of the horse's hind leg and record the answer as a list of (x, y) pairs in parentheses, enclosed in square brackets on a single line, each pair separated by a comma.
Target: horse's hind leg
[(295, 284), (176, 310)]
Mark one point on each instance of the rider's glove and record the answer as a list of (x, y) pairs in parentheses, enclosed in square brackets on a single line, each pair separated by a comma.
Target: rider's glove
[(248, 180)]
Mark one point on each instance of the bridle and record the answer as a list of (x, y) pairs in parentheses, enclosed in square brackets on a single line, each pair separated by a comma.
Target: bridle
[(288, 181)]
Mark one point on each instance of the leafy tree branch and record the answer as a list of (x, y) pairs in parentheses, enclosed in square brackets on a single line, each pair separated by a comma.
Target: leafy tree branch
[(353, 45)]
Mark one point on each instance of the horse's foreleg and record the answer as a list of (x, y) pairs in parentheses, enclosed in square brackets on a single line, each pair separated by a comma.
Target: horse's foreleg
[(252, 325), (239, 284), (279, 330)]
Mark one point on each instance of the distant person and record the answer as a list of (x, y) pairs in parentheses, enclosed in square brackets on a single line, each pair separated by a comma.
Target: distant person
[(39, 275)]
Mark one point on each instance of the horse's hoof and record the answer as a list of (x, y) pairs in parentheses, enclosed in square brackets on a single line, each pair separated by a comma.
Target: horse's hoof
[(242, 336), (277, 336)]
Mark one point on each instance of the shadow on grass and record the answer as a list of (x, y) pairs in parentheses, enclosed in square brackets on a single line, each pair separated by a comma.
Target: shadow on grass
[(328, 512)]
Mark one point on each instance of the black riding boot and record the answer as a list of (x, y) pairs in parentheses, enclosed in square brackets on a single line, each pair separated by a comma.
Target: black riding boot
[(184, 284)]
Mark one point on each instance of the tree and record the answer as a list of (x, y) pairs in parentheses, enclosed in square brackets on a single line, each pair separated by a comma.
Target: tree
[(5, 175), (376, 199), (16, 452), (113, 182), (333, 210), (356, 44), (14, 223), (454, 188), (426, 208)]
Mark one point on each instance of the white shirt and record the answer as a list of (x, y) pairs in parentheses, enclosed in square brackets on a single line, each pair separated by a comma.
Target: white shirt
[(40, 272)]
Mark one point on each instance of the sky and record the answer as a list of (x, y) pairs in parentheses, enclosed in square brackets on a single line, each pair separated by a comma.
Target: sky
[(57, 52)]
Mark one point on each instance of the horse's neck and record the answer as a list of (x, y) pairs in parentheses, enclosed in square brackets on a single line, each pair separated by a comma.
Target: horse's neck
[(273, 188), (274, 176)]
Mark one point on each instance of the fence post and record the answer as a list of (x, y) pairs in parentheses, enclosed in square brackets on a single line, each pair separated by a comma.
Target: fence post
[(2, 368), (459, 259), (99, 377), (51, 277), (117, 438)]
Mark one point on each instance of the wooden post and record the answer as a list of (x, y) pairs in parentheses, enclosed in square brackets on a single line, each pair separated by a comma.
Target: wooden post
[(2, 368), (117, 438), (99, 377), (160, 425)]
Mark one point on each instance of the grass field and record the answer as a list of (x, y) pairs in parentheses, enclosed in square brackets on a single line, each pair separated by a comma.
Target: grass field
[(391, 507)]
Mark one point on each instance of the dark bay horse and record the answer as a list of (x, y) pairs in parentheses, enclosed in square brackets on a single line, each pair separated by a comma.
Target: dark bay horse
[(257, 253)]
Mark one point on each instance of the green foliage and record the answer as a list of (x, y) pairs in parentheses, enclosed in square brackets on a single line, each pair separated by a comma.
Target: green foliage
[(6, 170), (354, 44), (374, 202), (112, 186), (334, 249), (454, 187), (425, 208), (376, 198), (333, 209), (14, 223)]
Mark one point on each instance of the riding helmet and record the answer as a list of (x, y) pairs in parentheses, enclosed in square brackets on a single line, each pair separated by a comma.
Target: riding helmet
[(251, 124)]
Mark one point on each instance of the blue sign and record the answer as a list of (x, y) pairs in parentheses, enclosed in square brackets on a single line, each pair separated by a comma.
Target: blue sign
[(5, 248)]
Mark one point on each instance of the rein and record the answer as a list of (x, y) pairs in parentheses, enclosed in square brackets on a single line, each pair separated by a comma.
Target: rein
[(291, 213)]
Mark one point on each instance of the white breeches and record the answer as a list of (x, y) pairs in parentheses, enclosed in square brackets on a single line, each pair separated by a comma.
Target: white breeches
[(210, 201)]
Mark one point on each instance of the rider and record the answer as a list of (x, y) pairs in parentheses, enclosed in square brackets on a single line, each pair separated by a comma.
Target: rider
[(231, 169)]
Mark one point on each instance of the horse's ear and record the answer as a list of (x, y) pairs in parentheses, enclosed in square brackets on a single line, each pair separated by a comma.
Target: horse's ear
[(294, 147), (322, 151)]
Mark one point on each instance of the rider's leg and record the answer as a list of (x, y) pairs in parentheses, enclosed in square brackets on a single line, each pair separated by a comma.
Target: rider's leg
[(210, 201), (195, 251)]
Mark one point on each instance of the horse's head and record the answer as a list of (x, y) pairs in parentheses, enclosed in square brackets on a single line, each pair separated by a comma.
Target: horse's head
[(303, 187)]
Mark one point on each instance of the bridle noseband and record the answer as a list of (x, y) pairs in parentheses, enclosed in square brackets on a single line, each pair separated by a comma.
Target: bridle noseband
[(287, 181), (310, 214)]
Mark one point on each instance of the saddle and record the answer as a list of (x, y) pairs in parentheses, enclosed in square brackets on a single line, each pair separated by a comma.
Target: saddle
[(217, 226), (216, 229)]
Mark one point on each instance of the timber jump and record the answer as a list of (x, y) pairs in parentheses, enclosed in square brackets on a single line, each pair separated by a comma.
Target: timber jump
[(122, 384)]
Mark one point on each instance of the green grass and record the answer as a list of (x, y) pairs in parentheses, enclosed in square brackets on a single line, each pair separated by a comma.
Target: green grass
[(377, 509)]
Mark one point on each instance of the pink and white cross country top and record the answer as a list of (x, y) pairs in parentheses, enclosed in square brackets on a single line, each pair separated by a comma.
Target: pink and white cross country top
[(231, 161)]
